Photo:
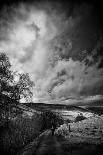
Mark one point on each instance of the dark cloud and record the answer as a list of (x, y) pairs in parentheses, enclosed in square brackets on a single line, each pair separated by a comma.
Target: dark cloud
[(59, 43)]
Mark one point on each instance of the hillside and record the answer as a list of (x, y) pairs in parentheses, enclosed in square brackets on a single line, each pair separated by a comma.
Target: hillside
[(68, 113)]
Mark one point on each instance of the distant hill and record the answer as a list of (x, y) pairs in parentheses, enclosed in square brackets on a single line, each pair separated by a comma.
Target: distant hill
[(43, 106), (96, 109)]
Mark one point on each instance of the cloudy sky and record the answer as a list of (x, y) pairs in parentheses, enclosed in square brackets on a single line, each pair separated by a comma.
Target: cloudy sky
[(60, 45)]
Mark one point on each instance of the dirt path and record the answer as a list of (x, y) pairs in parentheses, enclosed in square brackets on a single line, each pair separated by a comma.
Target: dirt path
[(47, 145)]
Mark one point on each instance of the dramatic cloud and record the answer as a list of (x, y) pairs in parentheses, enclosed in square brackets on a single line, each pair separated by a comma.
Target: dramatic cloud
[(61, 52)]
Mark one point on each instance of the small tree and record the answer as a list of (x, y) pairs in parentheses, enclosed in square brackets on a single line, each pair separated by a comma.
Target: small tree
[(22, 88)]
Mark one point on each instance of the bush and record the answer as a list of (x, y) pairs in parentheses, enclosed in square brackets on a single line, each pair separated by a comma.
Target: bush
[(50, 118), (80, 118)]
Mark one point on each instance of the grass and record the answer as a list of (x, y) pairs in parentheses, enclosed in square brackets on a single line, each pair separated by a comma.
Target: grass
[(80, 148), (19, 133), (22, 130)]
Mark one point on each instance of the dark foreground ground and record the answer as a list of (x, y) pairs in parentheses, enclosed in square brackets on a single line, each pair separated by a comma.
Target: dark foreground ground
[(48, 144)]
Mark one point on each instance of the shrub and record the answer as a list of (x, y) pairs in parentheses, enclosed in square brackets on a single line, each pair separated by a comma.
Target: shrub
[(80, 118), (49, 118)]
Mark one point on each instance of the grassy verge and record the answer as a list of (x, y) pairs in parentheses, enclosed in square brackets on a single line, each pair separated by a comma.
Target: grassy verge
[(19, 133)]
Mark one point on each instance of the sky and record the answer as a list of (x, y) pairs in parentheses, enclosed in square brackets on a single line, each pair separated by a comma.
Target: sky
[(60, 45)]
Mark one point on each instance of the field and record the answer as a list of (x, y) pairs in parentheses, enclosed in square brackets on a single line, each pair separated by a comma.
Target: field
[(77, 128)]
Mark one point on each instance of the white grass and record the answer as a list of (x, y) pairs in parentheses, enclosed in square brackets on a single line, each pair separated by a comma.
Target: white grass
[(89, 130)]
